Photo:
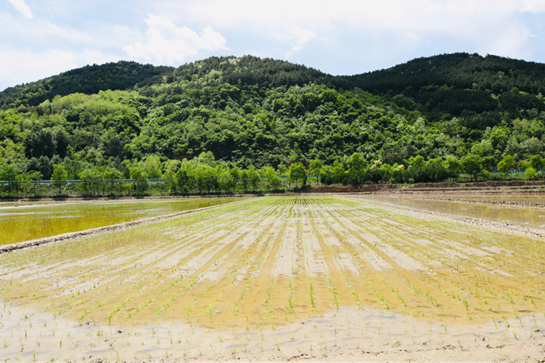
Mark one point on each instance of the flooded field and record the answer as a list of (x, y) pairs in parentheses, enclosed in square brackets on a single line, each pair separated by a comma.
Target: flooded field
[(491, 209), (273, 275), (23, 223), (526, 198)]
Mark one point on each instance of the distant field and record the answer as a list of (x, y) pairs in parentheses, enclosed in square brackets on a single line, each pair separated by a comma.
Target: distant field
[(27, 222), (488, 207), (266, 263)]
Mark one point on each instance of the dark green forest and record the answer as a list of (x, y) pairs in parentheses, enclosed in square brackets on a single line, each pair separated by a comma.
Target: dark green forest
[(430, 119)]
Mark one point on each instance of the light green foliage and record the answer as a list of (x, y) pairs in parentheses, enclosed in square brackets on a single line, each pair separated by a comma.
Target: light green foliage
[(112, 175), (537, 162), (507, 164), (453, 166), (152, 167), (472, 164), (59, 177), (140, 182), (356, 169), (530, 173), (298, 173), (523, 165)]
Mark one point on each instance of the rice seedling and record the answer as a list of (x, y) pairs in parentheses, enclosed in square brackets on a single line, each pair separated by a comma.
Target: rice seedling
[(275, 261)]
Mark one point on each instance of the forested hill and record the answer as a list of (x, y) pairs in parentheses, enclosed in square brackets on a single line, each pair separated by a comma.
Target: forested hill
[(451, 84), (249, 112), (250, 71), (89, 79), (459, 71)]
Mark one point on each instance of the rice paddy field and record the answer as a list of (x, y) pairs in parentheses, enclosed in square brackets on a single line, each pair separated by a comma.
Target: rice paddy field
[(28, 222), (525, 210), (278, 278)]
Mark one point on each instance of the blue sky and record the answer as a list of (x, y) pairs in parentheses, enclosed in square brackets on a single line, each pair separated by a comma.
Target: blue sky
[(40, 38)]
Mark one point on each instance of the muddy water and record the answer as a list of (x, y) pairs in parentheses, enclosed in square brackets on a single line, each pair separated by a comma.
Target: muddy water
[(25, 223), (524, 216)]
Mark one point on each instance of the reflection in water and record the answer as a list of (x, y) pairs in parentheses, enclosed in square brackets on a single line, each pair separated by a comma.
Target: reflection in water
[(19, 224), (523, 216)]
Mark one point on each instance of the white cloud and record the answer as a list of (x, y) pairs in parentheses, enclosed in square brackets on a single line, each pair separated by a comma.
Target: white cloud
[(303, 37), (27, 66), (413, 36), (464, 20), (22, 7), (169, 43)]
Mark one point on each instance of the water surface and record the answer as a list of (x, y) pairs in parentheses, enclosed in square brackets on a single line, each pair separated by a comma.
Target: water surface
[(29, 222), (532, 217)]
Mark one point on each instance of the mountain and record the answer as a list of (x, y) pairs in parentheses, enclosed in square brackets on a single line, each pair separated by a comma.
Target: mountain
[(462, 84), (250, 111), (88, 79)]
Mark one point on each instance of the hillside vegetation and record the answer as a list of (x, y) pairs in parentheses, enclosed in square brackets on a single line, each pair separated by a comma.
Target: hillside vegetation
[(426, 120)]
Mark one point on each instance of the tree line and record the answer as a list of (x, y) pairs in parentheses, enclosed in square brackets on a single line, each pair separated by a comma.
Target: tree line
[(205, 175)]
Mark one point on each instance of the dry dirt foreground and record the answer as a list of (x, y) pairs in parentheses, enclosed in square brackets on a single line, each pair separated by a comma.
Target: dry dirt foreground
[(279, 278)]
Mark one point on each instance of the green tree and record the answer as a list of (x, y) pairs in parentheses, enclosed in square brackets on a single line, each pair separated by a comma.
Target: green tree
[(185, 179), (22, 184), (40, 143), (235, 175), (315, 168), (253, 177), (337, 172), (269, 173), (472, 164), (506, 165), (59, 178), (297, 172), (244, 179), (436, 170), (453, 167), (172, 167), (9, 174), (91, 181), (530, 173), (537, 162), (140, 180), (152, 167), (356, 169), (276, 182), (489, 163), (416, 167), (523, 165), (112, 175), (35, 177), (282, 170)]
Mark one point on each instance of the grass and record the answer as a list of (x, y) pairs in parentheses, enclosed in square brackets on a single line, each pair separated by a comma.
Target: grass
[(278, 260)]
